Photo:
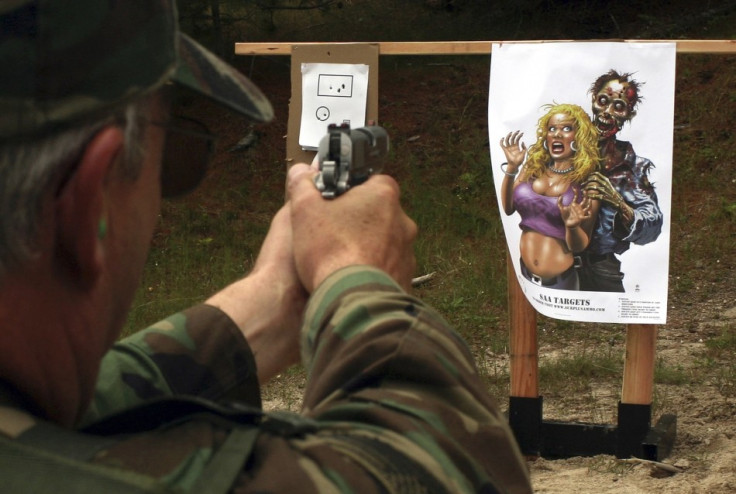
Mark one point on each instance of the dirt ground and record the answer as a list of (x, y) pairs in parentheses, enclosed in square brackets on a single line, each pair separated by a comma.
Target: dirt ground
[(704, 452), (703, 459)]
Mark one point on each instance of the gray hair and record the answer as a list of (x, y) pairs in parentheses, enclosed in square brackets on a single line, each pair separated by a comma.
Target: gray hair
[(29, 170)]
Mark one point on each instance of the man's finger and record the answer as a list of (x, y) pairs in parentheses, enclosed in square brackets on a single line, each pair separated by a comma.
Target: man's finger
[(298, 175)]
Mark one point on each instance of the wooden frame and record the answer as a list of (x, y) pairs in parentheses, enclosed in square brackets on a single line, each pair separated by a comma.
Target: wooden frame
[(633, 436)]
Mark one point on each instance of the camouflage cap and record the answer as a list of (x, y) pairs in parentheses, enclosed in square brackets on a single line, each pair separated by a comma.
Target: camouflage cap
[(61, 62)]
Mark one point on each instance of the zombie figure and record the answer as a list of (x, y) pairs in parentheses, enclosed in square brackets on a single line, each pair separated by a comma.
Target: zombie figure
[(629, 209)]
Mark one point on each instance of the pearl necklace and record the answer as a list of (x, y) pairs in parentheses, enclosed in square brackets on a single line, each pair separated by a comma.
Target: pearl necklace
[(561, 172)]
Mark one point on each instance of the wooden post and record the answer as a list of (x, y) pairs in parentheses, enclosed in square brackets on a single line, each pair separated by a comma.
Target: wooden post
[(638, 380), (523, 347)]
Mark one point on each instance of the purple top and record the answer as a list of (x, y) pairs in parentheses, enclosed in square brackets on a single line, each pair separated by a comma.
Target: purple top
[(540, 213)]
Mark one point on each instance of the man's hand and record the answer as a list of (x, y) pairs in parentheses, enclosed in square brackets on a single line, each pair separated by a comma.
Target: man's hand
[(366, 225), (597, 186)]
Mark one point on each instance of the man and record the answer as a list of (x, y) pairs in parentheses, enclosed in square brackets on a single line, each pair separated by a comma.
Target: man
[(630, 212), (393, 402)]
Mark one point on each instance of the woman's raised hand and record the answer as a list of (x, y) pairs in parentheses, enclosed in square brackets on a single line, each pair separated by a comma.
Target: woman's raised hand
[(514, 149), (574, 213)]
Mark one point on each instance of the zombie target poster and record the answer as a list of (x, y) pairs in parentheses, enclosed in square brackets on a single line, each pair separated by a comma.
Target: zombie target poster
[(581, 153)]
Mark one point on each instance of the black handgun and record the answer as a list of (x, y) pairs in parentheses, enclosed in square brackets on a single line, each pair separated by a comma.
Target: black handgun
[(349, 157)]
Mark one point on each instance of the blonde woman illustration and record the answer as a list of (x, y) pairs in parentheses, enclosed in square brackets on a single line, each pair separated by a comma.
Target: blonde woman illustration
[(543, 186)]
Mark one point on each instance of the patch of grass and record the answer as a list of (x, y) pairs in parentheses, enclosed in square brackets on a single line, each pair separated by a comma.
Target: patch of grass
[(578, 370), (729, 211), (723, 346), (666, 373), (720, 360)]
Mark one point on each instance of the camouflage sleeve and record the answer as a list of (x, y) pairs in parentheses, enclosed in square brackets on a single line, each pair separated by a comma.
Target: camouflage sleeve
[(397, 400), (393, 404), (197, 352)]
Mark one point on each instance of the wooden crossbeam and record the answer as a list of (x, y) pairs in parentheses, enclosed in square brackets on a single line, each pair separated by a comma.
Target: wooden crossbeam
[(482, 47)]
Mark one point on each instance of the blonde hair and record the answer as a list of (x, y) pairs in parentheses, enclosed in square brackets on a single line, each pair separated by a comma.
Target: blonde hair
[(586, 159)]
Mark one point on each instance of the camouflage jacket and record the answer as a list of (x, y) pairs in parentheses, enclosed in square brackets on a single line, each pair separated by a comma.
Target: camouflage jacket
[(393, 404)]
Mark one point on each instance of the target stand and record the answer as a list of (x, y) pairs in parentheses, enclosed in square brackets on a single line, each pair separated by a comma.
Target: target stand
[(632, 436)]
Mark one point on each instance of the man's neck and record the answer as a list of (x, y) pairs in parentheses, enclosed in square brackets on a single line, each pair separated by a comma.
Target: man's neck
[(43, 354)]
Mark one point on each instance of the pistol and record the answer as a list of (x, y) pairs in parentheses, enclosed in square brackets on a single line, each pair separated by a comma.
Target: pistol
[(348, 157)]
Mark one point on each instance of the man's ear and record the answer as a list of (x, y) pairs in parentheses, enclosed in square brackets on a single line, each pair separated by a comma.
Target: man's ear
[(82, 225)]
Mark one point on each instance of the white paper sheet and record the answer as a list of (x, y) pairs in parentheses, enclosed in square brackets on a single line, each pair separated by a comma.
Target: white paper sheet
[(526, 76), (331, 94)]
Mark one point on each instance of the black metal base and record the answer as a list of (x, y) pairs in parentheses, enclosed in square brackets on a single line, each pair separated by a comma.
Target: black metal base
[(633, 436)]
